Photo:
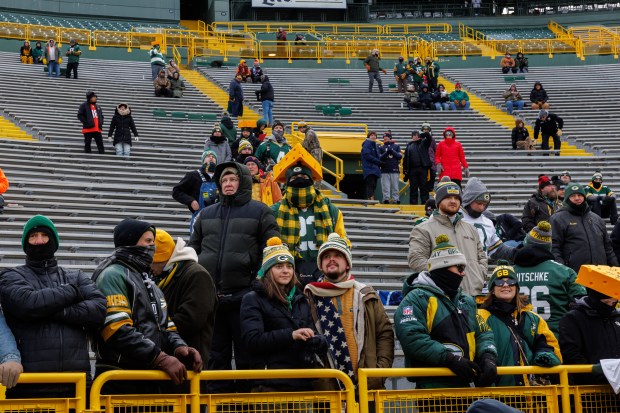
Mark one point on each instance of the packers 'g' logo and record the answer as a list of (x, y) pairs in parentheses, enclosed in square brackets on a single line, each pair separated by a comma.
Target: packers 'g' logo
[(282, 258), (574, 188), (297, 169)]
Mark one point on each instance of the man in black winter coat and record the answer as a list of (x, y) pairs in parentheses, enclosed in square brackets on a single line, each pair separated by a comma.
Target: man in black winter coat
[(579, 235), (589, 333), (390, 156), (549, 124), (416, 167), (229, 238), (91, 116), (50, 310)]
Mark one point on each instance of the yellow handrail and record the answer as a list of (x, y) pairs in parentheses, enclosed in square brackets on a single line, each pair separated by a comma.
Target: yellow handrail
[(77, 403), (176, 55)]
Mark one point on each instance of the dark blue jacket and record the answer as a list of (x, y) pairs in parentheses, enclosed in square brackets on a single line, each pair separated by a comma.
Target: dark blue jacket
[(235, 91), (389, 154), (370, 159)]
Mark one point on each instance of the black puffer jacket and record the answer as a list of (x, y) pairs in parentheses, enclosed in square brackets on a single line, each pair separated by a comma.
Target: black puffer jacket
[(538, 95), (50, 311), (122, 125), (586, 337), (230, 235), (416, 154), (580, 238), (85, 115), (266, 91), (267, 326), (535, 210)]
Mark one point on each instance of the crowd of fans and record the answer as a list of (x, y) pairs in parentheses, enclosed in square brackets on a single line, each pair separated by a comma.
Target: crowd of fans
[(267, 274)]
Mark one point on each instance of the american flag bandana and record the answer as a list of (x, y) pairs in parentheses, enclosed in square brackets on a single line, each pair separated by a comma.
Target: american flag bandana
[(331, 325)]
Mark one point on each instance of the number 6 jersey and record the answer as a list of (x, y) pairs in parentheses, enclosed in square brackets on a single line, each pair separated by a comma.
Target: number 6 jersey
[(550, 285)]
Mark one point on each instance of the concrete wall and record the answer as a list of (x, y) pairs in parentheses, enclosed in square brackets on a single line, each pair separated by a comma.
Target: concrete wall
[(134, 9)]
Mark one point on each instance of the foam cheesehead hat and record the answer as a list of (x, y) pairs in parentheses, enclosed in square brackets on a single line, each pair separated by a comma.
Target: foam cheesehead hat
[(444, 254), (275, 253), (503, 270), (447, 188), (43, 224), (539, 235), (297, 157), (335, 242), (164, 246)]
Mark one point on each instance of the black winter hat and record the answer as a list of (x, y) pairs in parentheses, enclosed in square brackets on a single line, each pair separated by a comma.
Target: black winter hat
[(277, 123), (90, 94), (129, 232)]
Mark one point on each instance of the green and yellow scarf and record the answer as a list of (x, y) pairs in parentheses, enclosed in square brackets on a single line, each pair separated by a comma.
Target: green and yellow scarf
[(287, 216)]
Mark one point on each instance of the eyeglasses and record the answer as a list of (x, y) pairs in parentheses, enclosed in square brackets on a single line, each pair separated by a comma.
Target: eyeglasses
[(499, 282), (460, 267)]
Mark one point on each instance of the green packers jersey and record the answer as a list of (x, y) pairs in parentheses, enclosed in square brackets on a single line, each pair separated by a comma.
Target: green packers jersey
[(550, 287)]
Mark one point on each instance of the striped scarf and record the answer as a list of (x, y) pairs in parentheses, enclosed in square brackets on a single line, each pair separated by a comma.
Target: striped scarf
[(287, 216)]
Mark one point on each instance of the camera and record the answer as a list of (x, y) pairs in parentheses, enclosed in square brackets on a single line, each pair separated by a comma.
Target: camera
[(314, 346)]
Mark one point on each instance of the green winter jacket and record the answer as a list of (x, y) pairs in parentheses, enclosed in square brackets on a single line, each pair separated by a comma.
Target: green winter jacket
[(400, 68), (429, 325), (550, 286), (603, 190), (417, 71), (536, 345), (270, 152), (458, 95), (433, 72)]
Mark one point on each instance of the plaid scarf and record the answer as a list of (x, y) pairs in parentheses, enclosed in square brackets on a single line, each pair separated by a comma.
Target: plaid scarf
[(287, 216)]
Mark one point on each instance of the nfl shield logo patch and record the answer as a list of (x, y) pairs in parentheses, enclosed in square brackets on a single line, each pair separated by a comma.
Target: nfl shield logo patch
[(408, 310)]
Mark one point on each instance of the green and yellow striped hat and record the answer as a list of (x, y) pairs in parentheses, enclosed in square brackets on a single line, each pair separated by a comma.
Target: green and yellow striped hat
[(275, 253), (445, 255)]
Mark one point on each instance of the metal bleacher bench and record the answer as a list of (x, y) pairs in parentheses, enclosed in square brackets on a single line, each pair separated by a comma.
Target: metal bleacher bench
[(189, 116), (338, 81)]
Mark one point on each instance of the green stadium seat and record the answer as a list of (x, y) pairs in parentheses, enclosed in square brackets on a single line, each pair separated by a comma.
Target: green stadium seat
[(345, 111), (513, 78), (335, 106), (319, 108), (179, 115), (329, 111), (160, 113)]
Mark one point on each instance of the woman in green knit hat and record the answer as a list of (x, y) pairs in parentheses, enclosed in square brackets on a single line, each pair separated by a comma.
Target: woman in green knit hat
[(276, 327)]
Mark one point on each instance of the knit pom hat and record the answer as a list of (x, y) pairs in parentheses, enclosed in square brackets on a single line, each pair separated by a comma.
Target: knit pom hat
[(244, 144), (275, 253), (228, 171), (598, 176), (129, 232), (207, 153), (43, 224), (446, 188), (164, 246), (503, 270), (335, 242), (543, 181), (254, 159), (444, 254), (540, 235), (216, 128), (573, 188), (426, 125), (475, 191)]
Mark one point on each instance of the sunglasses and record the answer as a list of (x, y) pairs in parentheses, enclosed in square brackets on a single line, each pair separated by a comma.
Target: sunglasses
[(499, 282), (460, 267)]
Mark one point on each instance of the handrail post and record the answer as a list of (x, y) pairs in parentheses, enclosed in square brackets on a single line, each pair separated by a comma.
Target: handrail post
[(565, 391), (362, 383)]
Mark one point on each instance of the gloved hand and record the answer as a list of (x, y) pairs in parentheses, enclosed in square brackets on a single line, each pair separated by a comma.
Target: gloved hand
[(9, 373), (171, 366), (488, 374), (546, 359), (597, 369), (439, 169), (559, 132), (190, 357), (463, 368), (405, 178), (135, 138), (110, 139), (466, 172)]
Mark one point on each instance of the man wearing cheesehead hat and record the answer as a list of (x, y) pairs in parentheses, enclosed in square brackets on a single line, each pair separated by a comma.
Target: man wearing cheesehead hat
[(448, 218), (459, 339), (138, 333), (229, 238), (304, 215), (350, 314), (549, 285), (476, 200), (49, 310), (579, 236), (189, 291)]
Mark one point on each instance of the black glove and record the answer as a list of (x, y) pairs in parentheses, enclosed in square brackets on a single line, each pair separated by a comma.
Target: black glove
[(488, 365), (463, 368), (405, 178)]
